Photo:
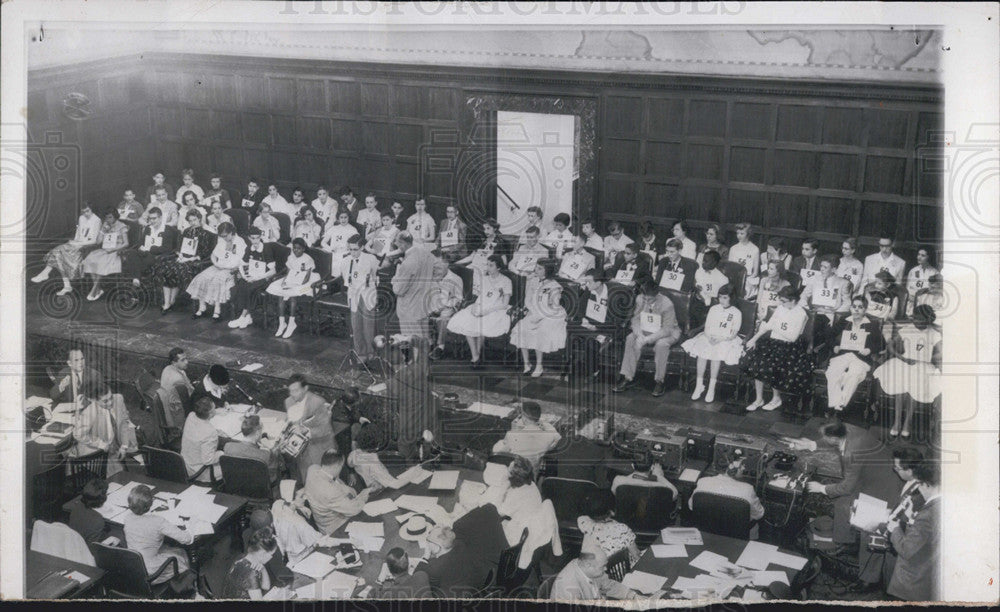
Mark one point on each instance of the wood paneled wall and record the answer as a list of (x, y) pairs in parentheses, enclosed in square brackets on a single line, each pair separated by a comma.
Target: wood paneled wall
[(795, 157)]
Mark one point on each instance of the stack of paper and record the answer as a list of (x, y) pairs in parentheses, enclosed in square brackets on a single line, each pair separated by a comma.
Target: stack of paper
[(337, 585), (415, 475), (669, 551), (227, 423), (62, 417), (444, 480), (869, 512), (380, 507), (713, 562), (791, 561), (367, 543), (491, 409), (362, 529), (35, 401), (120, 496), (643, 582), (416, 503), (316, 565), (682, 535), (756, 555), (690, 475), (704, 586)]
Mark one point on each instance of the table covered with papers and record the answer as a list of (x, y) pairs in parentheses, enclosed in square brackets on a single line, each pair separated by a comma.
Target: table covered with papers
[(695, 564)]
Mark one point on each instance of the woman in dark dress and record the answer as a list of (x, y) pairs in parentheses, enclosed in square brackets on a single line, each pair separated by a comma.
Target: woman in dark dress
[(248, 578), (84, 518), (196, 247)]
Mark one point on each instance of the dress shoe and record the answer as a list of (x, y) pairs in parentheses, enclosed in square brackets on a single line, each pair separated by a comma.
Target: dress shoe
[(755, 405), (537, 373), (622, 384), (710, 396), (65, 290), (292, 325), (477, 364), (772, 405), (698, 390), (197, 314), (659, 388), (436, 354)]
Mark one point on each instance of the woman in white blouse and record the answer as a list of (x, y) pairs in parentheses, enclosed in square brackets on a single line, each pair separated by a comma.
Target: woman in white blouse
[(216, 218), (851, 267), (335, 239), (67, 258), (187, 176), (145, 533), (521, 507), (296, 283), (746, 254), (268, 225), (543, 327), (213, 284), (188, 203), (781, 360), (306, 227), (918, 278), (487, 317), (680, 230), (421, 224)]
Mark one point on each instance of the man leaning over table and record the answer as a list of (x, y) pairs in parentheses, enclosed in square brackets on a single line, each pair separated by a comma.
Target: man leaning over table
[(333, 503), (586, 579), (247, 445), (529, 436)]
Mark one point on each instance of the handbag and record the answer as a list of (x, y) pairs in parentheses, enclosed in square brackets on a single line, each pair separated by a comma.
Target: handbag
[(294, 440)]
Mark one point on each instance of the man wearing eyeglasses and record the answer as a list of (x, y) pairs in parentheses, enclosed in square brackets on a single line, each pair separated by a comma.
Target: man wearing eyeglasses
[(884, 260)]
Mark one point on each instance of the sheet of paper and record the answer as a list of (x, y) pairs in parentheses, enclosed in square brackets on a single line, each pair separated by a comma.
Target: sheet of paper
[(402, 518), (785, 560), (252, 367), (416, 503), (869, 512), (64, 407), (756, 555), (34, 401), (338, 585), (272, 427), (120, 496), (377, 388), (78, 576), (471, 490), (228, 423), (681, 535), (669, 551), (709, 561), (365, 529), (415, 474), (276, 594), (444, 480), (197, 528), (368, 543), (643, 582), (491, 409), (766, 578), (61, 417), (110, 512), (380, 507), (316, 565), (495, 474), (690, 475)]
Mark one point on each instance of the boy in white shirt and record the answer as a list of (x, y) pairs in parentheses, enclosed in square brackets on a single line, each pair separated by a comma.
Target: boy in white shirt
[(560, 238), (614, 243)]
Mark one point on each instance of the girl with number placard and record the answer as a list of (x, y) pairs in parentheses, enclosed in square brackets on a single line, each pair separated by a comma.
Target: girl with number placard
[(882, 301), (268, 223), (911, 374), (713, 242), (335, 239), (856, 340), (253, 275), (543, 328), (213, 284), (767, 293), (306, 227), (67, 258), (487, 317), (216, 218), (296, 283), (113, 238), (781, 360), (850, 266), (707, 281), (918, 278), (188, 203), (717, 343), (746, 254), (196, 247)]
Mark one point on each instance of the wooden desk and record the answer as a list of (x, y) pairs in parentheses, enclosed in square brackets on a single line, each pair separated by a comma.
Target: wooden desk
[(372, 561), (39, 565), (671, 569)]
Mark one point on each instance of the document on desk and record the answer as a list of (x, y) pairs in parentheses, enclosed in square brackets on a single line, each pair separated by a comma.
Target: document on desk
[(471, 490), (380, 507), (682, 535), (36, 401), (197, 527), (416, 503), (228, 424), (669, 551), (194, 492), (338, 585), (764, 579), (785, 560), (444, 480), (120, 496), (491, 409), (62, 417), (711, 562), (689, 475), (643, 582), (869, 512), (316, 565), (495, 474), (368, 543), (361, 529), (415, 475), (756, 555), (704, 585), (111, 512)]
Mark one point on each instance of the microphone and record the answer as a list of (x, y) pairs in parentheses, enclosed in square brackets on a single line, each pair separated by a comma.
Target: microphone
[(252, 399)]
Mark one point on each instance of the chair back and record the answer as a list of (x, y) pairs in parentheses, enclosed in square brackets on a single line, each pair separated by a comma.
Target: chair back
[(47, 491), (748, 311), (598, 257), (648, 509), (681, 300), (245, 477), (721, 514), (323, 261), (165, 464), (545, 588), (284, 227), (85, 468), (241, 220), (125, 570), (736, 274), (507, 566), (568, 496), (793, 279), (619, 564), (134, 234), (281, 253)]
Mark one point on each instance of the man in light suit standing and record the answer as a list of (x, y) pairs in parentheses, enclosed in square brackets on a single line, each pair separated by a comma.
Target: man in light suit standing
[(412, 284), (360, 274)]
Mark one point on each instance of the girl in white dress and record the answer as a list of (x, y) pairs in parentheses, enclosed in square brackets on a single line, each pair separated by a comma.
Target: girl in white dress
[(487, 317), (306, 227), (298, 282), (851, 267), (67, 258), (918, 278), (543, 328), (213, 284), (268, 224), (911, 374), (335, 241), (113, 238), (718, 343)]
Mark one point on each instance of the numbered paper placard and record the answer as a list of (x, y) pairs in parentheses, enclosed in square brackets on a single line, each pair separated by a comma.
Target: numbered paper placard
[(189, 246), (257, 268), (825, 296), (710, 290), (84, 233), (672, 279), (298, 277), (573, 268), (247, 203), (624, 276), (597, 311), (449, 238), (917, 347), (123, 213), (768, 298), (649, 322), (524, 263), (879, 311), (808, 276), (153, 240), (726, 323), (853, 340), (110, 241)]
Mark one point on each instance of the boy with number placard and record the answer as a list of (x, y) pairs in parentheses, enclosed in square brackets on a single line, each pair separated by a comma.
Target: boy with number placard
[(676, 272), (452, 234), (654, 323), (255, 274)]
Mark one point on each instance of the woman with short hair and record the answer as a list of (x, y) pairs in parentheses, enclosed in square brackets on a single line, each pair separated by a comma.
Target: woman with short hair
[(145, 534), (213, 284), (487, 317), (599, 526), (781, 360), (67, 258), (521, 507), (248, 578), (196, 247), (113, 238), (543, 327), (306, 227)]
